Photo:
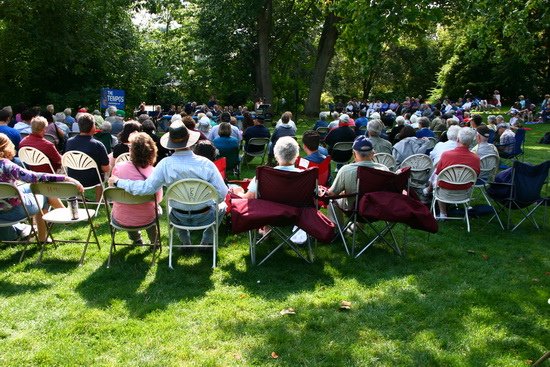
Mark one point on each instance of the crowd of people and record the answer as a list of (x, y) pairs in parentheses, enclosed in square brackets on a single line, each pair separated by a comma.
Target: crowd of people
[(448, 132)]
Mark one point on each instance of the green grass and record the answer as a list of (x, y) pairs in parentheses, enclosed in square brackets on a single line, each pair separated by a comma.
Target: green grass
[(454, 299)]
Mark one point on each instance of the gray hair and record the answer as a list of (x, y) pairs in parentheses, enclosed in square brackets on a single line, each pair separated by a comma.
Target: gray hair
[(106, 127), (466, 136), (323, 115), (111, 110), (286, 150), (67, 111), (335, 115), (491, 118), (375, 127), (452, 132), (400, 120)]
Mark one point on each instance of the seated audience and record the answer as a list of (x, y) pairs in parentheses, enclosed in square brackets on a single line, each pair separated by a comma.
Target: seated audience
[(310, 141), (506, 138), (409, 144), (343, 133), (123, 145), (374, 128), (10, 132), (225, 141), (12, 210), (483, 148), (283, 129), (424, 131), (452, 143), (36, 140)]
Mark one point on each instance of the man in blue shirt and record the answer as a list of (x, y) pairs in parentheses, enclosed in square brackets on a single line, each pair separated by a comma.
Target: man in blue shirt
[(424, 131), (310, 141), (12, 134), (362, 121)]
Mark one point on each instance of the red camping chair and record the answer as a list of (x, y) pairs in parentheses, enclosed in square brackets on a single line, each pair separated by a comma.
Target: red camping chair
[(324, 168), (283, 198), (221, 164), (379, 186)]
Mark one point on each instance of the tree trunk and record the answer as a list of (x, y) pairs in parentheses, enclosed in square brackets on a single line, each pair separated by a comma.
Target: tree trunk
[(325, 52), (265, 86)]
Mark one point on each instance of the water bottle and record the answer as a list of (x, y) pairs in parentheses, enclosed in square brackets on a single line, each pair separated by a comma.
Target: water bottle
[(73, 205)]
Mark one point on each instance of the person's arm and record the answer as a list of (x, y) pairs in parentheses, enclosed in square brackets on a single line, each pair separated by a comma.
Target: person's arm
[(149, 186)]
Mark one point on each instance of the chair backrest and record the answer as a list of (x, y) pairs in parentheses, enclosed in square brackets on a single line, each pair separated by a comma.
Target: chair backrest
[(191, 191), (221, 165), (61, 190), (528, 180), (518, 142), (76, 160), (124, 157), (105, 138), (342, 149), (116, 194), (421, 168), (50, 138), (33, 157), (386, 159), (258, 141), (324, 168), (291, 188), (489, 167), (8, 191), (371, 180), (322, 130), (457, 174), (231, 155)]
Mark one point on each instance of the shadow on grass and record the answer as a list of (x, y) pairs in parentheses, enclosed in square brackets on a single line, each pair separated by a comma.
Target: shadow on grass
[(128, 280), (8, 289)]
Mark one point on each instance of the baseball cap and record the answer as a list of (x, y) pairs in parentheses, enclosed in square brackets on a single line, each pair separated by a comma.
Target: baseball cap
[(362, 144), (483, 130)]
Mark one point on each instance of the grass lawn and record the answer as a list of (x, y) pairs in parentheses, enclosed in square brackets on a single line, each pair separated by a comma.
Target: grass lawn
[(454, 299)]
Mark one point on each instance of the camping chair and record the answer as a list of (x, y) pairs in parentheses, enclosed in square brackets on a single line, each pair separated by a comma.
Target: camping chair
[(259, 142), (63, 216), (233, 163), (32, 157), (324, 168), (221, 165), (80, 161), (518, 146), (124, 157), (489, 167), (295, 190), (195, 193), (10, 191), (323, 131), (386, 159), (345, 149), (114, 194), (370, 180), (458, 174), (524, 191)]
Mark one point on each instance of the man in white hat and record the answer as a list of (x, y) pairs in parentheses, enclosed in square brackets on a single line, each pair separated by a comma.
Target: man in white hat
[(182, 164)]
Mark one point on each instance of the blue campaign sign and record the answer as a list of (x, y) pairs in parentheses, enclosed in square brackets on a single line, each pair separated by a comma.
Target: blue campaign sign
[(113, 97)]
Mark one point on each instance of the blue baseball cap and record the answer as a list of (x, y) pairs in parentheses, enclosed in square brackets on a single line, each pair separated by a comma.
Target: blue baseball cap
[(362, 144)]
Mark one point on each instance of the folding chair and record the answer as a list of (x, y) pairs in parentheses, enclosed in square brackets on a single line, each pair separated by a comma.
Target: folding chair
[(258, 142), (370, 180), (517, 151), (10, 191), (221, 165), (196, 193), (32, 157), (323, 131), (458, 174), (292, 189), (386, 159), (489, 167), (524, 191), (124, 157), (80, 161), (421, 169), (233, 161), (49, 137), (113, 194), (344, 150), (63, 216), (324, 168)]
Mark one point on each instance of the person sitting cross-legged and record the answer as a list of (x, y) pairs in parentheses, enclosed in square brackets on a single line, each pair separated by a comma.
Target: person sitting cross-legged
[(180, 165)]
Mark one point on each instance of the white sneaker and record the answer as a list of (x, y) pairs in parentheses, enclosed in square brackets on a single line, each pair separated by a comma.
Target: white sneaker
[(299, 237), (24, 231)]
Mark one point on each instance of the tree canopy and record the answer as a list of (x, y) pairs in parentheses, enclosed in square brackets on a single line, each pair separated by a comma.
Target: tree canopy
[(286, 51)]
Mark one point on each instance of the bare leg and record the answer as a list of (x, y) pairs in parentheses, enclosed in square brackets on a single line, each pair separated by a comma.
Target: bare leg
[(98, 192), (442, 209), (41, 225), (55, 203)]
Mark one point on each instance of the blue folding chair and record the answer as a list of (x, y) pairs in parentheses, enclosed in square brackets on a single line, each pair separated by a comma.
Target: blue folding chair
[(523, 193)]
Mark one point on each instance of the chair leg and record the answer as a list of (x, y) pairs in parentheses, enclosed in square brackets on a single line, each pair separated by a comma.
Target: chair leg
[(467, 217), (215, 246), (170, 244)]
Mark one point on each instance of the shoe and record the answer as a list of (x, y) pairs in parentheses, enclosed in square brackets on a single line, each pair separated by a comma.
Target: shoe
[(24, 231), (426, 191), (441, 217)]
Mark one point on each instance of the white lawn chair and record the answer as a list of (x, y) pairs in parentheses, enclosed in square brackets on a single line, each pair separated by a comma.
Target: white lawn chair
[(80, 161), (32, 157)]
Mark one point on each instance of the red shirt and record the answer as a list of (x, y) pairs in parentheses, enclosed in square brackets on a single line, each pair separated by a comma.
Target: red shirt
[(46, 147), (458, 155)]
